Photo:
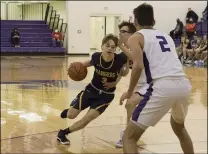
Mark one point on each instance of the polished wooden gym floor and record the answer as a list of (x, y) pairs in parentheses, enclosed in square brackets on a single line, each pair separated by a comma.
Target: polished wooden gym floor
[(34, 91)]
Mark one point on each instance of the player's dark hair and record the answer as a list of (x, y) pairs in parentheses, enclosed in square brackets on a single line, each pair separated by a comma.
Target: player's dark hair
[(110, 37), (131, 27), (144, 15)]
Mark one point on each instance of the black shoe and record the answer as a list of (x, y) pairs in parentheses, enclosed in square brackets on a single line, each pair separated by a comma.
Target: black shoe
[(62, 138), (64, 113)]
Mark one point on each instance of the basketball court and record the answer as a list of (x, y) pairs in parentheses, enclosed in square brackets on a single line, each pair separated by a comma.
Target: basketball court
[(34, 91)]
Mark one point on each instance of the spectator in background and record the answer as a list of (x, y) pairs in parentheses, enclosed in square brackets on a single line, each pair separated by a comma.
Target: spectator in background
[(56, 38), (190, 28), (201, 52), (205, 58), (202, 47), (182, 49), (15, 37), (178, 31), (181, 46), (191, 15), (195, 45)]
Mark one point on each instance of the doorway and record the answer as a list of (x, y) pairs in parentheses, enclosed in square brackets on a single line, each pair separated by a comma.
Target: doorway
[(100, 26)]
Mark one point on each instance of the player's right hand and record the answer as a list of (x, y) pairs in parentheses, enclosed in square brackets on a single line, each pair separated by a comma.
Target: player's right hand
[(108, 85), (125, 95)]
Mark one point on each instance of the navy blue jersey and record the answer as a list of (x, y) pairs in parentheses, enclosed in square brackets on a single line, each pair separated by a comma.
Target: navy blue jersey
[(130, 61), (109, 70)]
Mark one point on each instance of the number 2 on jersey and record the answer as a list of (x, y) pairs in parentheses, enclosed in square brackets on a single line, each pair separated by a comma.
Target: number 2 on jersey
[(162, 43)]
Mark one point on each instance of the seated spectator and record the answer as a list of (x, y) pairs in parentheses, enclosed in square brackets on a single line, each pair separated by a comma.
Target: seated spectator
[(195, 44), (190, 28), (182, 49), (15, 37), (201, 48), (204, 57), (56, 38), (178, 31), (201, 52), (179, 49), (191, 15)]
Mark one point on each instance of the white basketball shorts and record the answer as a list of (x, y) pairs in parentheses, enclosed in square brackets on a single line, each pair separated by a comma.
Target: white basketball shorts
[(159, 97)]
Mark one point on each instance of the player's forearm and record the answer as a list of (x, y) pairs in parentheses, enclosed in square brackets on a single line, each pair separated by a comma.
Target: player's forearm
[(112, 84), (87, 63), (135, 74)]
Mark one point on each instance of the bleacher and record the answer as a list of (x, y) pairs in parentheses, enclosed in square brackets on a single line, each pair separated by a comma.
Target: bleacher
[(35, 37)]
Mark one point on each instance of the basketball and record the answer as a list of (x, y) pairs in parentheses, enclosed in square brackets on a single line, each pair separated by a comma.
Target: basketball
[(77, 71)]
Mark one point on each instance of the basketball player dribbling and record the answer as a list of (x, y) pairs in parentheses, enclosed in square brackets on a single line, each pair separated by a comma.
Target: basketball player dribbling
[(155, 59), (127, 29), (100, 92)]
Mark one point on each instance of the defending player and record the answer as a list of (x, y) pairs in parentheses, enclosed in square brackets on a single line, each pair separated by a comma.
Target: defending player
[(155, 60)]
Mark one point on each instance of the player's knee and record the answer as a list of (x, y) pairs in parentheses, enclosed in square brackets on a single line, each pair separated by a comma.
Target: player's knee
[(129, 105), (72, 113), (133, 102), (71, 116), (128, 135)]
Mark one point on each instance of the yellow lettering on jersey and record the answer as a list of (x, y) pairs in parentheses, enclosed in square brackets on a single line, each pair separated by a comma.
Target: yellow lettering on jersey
[(105, 74)]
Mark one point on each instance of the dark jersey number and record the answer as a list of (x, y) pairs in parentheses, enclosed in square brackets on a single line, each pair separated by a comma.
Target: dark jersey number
[(162, 43)]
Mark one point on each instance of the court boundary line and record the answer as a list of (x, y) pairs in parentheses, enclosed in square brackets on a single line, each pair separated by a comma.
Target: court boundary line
[(27, 135)]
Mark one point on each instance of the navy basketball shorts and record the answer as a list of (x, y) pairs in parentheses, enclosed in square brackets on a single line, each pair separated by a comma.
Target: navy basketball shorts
[(91, 97)]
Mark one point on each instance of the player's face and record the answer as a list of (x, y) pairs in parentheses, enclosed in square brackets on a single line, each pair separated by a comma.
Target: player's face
[(109, 47), (124, 34)]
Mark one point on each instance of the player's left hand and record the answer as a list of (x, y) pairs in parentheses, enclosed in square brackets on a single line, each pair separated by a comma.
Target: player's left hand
[(108, 85), (125, 95)]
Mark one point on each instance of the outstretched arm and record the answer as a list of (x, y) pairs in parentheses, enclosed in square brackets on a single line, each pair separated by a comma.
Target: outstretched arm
[(136, 43), (88, 63)]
